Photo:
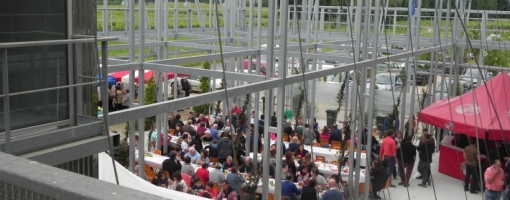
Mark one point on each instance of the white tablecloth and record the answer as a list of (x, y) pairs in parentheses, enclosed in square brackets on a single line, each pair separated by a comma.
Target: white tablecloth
[(333, 154)]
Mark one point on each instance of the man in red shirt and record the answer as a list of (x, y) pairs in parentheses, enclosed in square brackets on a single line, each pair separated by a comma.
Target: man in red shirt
[(203, 173), (388, 152), (494, 181)]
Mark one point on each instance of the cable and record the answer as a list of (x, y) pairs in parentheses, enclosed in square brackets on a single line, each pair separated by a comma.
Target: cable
[(104, 85)]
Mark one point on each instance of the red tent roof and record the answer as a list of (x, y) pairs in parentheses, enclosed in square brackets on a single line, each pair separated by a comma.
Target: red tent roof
[(475, 112), (123, 76)]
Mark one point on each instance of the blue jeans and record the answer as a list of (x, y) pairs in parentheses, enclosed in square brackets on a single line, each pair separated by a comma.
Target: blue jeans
[(492, 195), (390, 162)]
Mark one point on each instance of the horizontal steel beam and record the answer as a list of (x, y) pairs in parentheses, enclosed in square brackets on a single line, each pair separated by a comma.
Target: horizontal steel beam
[(204, 72), (61, 184), (71, 151), (206, 58), (176, 104), (51, 138), (7, 45), (484, 44), (124, 67), (204, 46)]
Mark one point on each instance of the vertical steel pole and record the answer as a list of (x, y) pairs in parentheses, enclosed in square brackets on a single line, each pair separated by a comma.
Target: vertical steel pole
[(281, 96), (141, 83), (105, 18), (132, 88), (7, 116), (269, 97)]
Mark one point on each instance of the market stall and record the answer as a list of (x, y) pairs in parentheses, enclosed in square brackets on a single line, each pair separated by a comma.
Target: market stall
[(482, 113)]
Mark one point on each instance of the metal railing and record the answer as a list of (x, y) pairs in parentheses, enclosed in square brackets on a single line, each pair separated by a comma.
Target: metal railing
[(22, 179)]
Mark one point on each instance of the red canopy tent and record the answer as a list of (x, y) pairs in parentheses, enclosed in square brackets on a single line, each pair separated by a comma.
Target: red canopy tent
[(476, 112), (123, 76)]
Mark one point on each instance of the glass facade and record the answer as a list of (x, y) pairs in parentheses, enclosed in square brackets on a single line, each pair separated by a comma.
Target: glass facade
[(35, 68)]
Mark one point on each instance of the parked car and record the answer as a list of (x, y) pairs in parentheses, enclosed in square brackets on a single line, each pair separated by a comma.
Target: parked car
[(388, 67), (476, 75), (253, 67), (387, 81), (422, 76), (195, 84), (464, 86)]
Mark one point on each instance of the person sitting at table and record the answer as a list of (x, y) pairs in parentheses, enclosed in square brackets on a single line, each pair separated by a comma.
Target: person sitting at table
[(293, 145), (175, 121), (188, 128), (215, 175), (193, 155), (161, 180), (198, 186), (209, 190), (229, 164), (218, 122), (178, 129), (201, 129), (378, 178), (201, 119), (215, 134), (203, 173), (333, 193), (197, 143), (226, 192), (228, 126), (234, 180), (213, 149), (335, 134), (207, 136), (172, 164), (187, 168), (338, 180), (178, 183), (307, 161), (301, 151), (185, 140), (314, 174), (289, 189), (247, 166), (289, 160), (302, 174), (324, 136), (308, 191), (204, 157)]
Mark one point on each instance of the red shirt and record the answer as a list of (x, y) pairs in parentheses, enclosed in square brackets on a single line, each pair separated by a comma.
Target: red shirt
[(203, 174), (498, 182), (324, 137), (388, 147), (211, 192)]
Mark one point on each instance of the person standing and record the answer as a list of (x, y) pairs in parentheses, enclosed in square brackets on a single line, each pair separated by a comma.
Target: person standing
[(308, 135), (388, 152), (494, 181), (406, 160), (472, 166), (186, 87), (425, 149)]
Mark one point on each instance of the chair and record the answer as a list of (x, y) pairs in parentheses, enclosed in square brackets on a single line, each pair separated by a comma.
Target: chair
[(387, 187), (286, 137), (324, 143), (270, 197), (216, 188), (186, 178), (361, 188), (167, 174), (336, 145), (316, 145), (320, 158), (213, 160), (171, 131), (157, 151), (149, 173)]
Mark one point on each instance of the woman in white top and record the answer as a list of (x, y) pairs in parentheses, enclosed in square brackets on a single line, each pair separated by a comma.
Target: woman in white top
[(177, 183)]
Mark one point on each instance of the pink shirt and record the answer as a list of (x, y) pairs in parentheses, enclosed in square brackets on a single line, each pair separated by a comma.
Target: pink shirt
[(498, 182)]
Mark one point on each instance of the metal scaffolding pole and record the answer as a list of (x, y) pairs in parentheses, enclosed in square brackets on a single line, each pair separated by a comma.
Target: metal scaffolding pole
[(141, 88), (131, 21), (268, 99)]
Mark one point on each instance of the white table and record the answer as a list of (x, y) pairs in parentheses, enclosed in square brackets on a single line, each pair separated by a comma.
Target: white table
[(333, 154), (330, 169), (154, 160)]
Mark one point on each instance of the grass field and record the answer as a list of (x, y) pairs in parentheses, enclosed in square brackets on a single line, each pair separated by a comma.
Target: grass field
[(117, 16)]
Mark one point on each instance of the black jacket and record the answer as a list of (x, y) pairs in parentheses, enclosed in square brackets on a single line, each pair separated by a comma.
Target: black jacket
[(224, 148), (309, 193), (174, 123), (171, 166), (408, 151), (426, 149), (379, 178)]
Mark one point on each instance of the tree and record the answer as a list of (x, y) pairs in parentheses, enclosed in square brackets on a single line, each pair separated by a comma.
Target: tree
[(204, 88), (497, 58), (150, 98)]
